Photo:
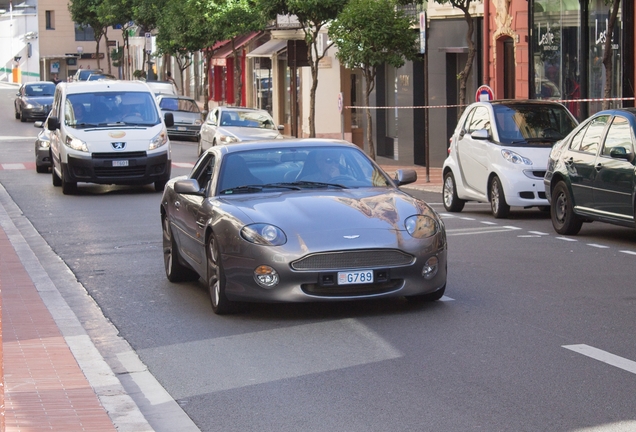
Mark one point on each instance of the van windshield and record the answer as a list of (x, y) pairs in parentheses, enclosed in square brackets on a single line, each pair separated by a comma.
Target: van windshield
[(84, 110)]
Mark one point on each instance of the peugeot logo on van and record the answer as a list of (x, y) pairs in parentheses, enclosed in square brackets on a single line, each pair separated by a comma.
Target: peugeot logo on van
[(119, 145)]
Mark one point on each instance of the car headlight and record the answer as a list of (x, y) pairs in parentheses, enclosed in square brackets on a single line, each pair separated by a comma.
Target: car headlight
[(75, 144), (197, 122), (420, 226), (29, 106), (264, 234), (515, 158), (158, 141), (227, 139)]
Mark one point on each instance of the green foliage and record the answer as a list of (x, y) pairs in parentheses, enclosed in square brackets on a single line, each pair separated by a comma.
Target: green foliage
[(369, 33), (86, 13)]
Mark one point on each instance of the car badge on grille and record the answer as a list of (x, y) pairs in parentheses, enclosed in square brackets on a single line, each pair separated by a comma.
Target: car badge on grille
[(118, 145), (351, 236)]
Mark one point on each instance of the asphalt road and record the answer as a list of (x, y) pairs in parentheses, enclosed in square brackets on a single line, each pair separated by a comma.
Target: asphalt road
[(535, 332)]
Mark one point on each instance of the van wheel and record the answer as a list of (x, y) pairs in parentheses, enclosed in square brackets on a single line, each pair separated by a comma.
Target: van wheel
[(57, 181), (68, 188), (160, 185)]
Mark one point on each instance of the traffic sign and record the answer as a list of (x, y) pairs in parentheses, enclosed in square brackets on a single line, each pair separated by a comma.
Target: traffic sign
[(340, 102), (148, 42), (484, 93)]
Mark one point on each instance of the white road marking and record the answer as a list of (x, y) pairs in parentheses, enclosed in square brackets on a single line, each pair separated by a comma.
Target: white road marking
[(566, 239), (266, 356), (603, 356), (621, 426), (467, 218), (16, 138), (477, 230), (489, 223), (183, 164), (538, 233), (446, 298), (628, 252), (529, 236), (598, 246), (512, 227), (13, 166)]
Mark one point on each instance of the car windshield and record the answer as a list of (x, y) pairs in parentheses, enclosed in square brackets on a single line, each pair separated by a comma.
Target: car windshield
[(250, 119), (44, 89), (117, 108), (532, 124), (183, 105), (296, 168)]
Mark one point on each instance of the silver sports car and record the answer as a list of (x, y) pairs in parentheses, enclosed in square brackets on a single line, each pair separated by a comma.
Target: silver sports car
[(300, 220)]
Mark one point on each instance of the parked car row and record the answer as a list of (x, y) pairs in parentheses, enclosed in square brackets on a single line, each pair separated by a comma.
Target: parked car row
[(534, 154)]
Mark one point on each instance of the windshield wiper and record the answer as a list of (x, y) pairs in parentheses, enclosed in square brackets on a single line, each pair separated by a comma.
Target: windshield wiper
[(259, 187), (317, 184)]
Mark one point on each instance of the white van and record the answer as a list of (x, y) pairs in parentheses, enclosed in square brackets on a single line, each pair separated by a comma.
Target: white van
[(108, 132)]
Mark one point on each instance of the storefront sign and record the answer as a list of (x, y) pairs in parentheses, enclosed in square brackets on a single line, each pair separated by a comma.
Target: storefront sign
[(547, 40)]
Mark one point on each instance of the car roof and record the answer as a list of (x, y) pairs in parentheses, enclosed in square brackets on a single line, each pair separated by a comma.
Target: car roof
[(521, 102), (171, 96), (278, 143), (103, 86)]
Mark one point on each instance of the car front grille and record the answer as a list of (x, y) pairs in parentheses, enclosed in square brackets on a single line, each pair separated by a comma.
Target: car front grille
[(121, 172), (353, 259)]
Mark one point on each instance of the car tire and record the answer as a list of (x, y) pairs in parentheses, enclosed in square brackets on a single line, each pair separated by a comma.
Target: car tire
[(160, 185), (175, 271), (430, 297), (216, 279), (452, 203), (42, 169), (22, 118), (498, 205), (17, 115), (57, 181), (564, 220), (68, 188)]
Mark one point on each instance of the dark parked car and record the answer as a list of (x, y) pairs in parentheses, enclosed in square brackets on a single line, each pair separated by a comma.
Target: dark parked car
[(591, 174), (300, 221), (34, 100), (187, 116), (42, 148)]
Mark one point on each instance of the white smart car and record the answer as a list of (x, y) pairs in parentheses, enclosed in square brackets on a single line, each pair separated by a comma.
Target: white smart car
[(499, 154)]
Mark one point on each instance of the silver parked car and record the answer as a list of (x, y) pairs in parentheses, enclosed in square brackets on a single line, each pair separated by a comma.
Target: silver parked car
[(187, 116), (229, 125), (300, 221), (42, 148)]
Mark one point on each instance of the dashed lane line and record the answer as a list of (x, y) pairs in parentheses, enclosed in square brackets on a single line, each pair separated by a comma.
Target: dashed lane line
[(603, 356), (566, 239), (628, 252), (594, 245)]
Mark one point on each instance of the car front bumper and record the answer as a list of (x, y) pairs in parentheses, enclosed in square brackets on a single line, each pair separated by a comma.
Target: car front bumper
[(102, 169)]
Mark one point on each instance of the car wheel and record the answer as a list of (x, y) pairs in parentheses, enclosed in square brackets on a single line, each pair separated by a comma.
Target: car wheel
[(22, 117), (216, 280), (57, 181), (430, 297), (160, 185), (564, 220), (452, 203), (498, 205), (175, 271), (42, 169), (17, 115), (68, 188)]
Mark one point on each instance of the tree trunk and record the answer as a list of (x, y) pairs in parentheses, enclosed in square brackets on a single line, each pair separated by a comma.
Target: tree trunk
[(108, 59), (465, 73), (369, 84), (98, 38), (206, 83), (607, 54)]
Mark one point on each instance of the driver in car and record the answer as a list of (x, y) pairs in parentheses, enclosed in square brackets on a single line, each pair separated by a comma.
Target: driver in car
[(328, 164)]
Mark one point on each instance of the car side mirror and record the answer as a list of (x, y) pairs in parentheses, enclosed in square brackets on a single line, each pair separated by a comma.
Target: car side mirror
[(188, 187), (481, 134), (53, 123), (620, 153), (281, 127), (168, 119), (403, 177)]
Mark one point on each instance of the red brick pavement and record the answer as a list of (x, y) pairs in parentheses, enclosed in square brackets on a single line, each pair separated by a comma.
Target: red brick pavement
[(44, 387)]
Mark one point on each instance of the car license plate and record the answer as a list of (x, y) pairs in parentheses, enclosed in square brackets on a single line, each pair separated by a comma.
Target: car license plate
[(181, 128), (355, 277), (120, 163)]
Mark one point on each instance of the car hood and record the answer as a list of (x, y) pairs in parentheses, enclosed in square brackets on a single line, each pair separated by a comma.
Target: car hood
[(184, 117), (249, 134), (101, 139), (42, 100), (318, 218)]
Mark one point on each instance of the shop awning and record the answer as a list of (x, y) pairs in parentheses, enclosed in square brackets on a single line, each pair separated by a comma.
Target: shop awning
[(225, 50), (269, 48)]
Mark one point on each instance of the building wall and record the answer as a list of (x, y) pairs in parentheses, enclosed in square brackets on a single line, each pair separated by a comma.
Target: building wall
[(19, 38)]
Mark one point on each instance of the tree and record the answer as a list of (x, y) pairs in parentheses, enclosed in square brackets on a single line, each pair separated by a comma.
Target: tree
[(607, 53), (146, 14), (312, 16), (237, 18), (370, 34), (86, 13), (119, 12)]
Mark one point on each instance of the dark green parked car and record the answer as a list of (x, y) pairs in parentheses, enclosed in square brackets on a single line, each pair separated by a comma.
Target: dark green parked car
[(591, 173)]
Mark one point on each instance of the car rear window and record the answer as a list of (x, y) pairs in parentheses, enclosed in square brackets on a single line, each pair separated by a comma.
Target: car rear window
[(532, 124)]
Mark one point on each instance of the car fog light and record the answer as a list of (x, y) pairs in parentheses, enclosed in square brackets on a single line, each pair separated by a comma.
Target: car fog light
[(430, 268), (266, 276)]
